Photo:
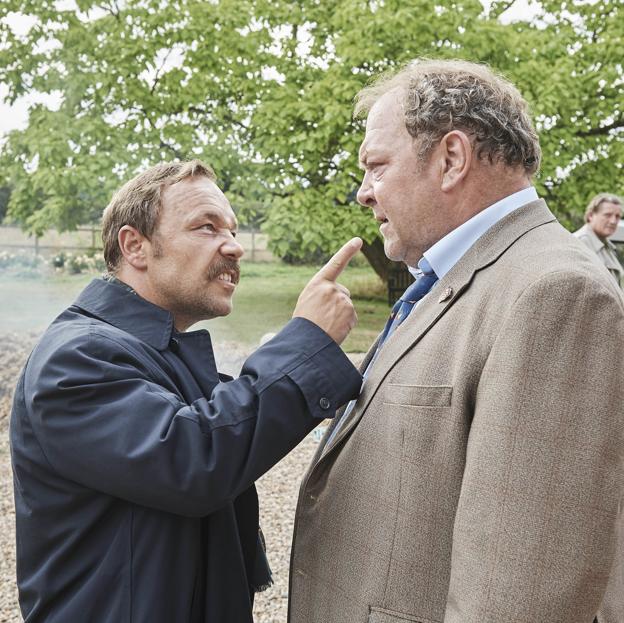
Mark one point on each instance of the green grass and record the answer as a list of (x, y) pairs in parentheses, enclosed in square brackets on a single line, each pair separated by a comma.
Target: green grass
[(263, 302), (29, 303), (267, 293)]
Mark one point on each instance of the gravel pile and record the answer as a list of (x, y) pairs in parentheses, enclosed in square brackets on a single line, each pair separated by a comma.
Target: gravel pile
[(277, 490), (14, 350)]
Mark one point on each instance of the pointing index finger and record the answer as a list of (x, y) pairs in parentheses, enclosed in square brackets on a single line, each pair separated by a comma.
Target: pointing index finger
[(331, 271)]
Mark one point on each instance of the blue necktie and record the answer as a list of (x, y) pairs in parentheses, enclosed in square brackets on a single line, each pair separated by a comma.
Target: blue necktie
[(409, 298), (400, 311)]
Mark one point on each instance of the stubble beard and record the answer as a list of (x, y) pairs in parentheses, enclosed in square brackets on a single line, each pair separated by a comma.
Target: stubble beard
[(191, 300), (202, 301)]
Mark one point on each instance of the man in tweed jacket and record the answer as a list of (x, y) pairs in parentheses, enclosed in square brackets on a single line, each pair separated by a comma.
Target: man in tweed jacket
[(479, 476)]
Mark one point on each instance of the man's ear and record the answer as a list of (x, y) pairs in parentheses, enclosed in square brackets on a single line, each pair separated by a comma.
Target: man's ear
[(457, 153), (133, 247)]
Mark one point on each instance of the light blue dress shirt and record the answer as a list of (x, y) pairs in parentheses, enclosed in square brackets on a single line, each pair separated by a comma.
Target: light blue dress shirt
[(445, 253)]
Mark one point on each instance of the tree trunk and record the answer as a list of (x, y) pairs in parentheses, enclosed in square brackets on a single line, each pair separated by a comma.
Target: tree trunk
[(376, 257), (395, 275)]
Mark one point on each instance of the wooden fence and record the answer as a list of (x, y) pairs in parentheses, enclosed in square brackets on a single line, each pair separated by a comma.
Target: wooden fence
[(86, 239)]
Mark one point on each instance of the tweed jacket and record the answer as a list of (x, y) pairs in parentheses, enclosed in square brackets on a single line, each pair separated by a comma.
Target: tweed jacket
[(480, 477)]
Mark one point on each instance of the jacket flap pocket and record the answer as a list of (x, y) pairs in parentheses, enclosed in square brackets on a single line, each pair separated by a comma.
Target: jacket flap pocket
[(381, 615), (418, 395)]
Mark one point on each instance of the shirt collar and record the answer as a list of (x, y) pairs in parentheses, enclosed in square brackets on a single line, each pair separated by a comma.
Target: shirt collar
[(445, 253), (424, 268), (117, 304)]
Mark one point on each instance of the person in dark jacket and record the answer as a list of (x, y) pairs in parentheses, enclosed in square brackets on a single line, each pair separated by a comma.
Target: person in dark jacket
[(134, 460)]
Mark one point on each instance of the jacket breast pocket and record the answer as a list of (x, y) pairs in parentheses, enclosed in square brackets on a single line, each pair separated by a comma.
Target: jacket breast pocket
[(381, 615), (435, 396)]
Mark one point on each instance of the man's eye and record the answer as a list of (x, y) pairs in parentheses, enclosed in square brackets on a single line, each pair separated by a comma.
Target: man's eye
[(207, 227)]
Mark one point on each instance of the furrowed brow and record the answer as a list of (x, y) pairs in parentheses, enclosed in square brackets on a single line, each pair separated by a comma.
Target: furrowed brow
[(215, 217), (362, 159)]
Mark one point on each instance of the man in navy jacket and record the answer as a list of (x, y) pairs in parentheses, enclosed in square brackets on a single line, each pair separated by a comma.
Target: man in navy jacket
[(134, 460)]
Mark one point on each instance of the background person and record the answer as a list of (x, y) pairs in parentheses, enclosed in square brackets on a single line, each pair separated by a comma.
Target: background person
[(134, 460), (479, 477), (602, 218)]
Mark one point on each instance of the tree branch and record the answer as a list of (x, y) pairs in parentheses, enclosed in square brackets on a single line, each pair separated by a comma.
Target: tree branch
[(162, 143), (500, 7), (226, 114), (158, 75), (172, 149), (602, 130), (113, 9)]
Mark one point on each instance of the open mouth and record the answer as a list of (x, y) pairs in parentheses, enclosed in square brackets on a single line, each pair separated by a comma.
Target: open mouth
[(228, 278), (225, 271)]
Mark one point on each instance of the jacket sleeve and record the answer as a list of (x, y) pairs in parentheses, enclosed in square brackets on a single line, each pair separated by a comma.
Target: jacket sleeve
[(536, 525), (104, 422)]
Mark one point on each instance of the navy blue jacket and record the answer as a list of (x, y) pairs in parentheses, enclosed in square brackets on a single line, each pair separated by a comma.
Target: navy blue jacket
[(134, 462)]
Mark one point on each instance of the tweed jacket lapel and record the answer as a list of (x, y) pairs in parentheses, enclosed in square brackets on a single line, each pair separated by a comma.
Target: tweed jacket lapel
[(484, 252)]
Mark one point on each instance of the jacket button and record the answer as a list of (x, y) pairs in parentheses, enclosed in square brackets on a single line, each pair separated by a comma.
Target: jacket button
[(324, 403), (174, 345)]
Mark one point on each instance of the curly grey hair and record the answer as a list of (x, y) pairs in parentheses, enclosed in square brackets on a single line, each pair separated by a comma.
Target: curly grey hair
[(444, 95)]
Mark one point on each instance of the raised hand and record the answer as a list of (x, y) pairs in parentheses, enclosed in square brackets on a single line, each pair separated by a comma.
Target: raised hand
[(325, 302)]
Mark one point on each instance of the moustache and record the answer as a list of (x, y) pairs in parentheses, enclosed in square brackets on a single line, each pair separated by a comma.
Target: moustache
[(221, 266)]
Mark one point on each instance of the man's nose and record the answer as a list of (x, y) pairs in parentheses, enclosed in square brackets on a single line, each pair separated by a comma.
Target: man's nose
[(232, 248), (365, 195)]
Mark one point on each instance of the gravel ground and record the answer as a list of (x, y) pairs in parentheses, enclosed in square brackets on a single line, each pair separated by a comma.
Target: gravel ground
[(277, 490)]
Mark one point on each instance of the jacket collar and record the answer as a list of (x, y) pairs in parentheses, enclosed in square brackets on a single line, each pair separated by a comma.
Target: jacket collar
[(116, 304), (596, 243), (485, 251), (444, 294)]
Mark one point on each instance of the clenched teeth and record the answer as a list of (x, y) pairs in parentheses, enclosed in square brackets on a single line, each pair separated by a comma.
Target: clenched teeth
[(225, 277)]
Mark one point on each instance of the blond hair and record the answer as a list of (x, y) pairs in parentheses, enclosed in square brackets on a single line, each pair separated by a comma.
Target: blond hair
[(594, 205), (444, 95), (138, 202)]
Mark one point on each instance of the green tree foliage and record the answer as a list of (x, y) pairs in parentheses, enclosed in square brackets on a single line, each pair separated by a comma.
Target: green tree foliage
[(263, 90), (138, 82), (343, 44), (567, 62), (576, 85)]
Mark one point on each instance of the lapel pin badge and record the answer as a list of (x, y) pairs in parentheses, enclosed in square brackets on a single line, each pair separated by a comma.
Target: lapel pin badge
[(446, 295)]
